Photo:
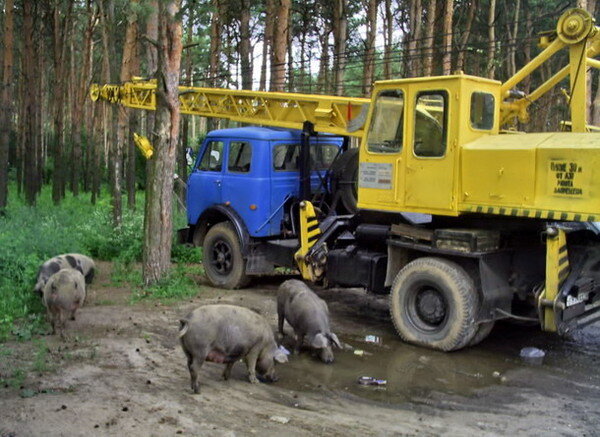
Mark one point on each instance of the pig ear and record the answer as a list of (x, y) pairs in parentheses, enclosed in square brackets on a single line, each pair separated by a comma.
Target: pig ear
[(335, 340), (319, 341), (280, 357)]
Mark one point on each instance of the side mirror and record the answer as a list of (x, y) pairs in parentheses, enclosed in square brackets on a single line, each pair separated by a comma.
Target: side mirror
[(190, 156)]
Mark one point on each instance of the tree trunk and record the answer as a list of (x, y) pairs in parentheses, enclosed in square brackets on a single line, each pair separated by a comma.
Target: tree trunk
[(181, 155), (129, 53), (158, 220), (81, 98), (369, 55), (29, 101), (6, 115), (215, 54), (527, 46), (464, 39), (134, 122), (340, 35), (280, 43), (388, 24), (151, 56), (322, 78), (429, 35), (447, 61), (267, 42), (412, 57), (60, 26), (245, 51), (491, 58)]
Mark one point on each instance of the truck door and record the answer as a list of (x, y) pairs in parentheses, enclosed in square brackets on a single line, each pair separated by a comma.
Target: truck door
[(204, 186), (245, 186), (381, 172), (430, 158)]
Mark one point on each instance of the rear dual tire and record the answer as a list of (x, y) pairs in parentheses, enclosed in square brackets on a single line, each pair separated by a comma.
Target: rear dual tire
[(434, 303)]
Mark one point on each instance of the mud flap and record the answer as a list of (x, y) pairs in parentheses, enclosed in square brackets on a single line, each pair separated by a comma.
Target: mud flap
[(309, 234)]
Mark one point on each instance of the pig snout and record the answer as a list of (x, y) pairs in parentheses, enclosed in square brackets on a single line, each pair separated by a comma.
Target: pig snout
[(326, 355)]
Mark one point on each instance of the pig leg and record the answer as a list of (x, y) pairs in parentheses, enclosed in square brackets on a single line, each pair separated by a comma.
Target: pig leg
[(280, 321), (280, 315), (194, 362), (251, 359), (62, 323), (194, 367), (227, 371), (52, 322), (72, 317), (299, 342)]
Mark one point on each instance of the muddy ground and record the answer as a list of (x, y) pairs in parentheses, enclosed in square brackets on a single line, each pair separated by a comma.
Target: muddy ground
[(122, 372)]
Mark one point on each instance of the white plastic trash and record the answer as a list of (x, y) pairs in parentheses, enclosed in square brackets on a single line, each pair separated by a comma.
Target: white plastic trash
[(532, 355)]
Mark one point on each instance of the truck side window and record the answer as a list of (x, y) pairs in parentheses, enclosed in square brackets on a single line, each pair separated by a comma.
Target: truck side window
[(387, 124), (213, 157), (240, 157), (285, 156), (482, 110), (431, 120)]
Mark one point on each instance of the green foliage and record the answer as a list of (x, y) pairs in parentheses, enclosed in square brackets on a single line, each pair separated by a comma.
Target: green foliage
[(178, 284), (186, 254)]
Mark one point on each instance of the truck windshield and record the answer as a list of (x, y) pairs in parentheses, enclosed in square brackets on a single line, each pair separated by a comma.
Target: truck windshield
[(385, 132), (285, 156)]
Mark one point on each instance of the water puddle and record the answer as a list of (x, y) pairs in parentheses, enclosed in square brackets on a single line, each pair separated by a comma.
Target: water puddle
[(413, 373)]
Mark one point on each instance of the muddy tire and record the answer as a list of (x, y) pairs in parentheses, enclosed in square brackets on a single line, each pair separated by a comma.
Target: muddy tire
[(433, 303), (482, 333), (345, 181), (224, 264)]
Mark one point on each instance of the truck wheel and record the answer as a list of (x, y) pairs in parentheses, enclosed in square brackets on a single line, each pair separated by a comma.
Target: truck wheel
[(482, 333), (224, 264), (433, 303)]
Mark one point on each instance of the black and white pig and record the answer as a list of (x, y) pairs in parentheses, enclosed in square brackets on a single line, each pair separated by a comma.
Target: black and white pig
[(75, 261), (225, 334), (308, 315)]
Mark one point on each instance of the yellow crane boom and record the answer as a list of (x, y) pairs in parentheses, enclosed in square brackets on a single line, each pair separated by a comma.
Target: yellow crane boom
[(329, 114)]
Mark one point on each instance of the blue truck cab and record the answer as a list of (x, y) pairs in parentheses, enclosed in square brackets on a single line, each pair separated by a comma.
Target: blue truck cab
[(241, 194)]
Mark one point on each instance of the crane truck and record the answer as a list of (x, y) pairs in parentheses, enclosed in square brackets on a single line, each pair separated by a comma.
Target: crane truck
[(462, 220)]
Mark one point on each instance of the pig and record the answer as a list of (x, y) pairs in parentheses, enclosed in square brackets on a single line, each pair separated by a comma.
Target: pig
[(64, 293), (68, 260), (308, 315), (224, 334)]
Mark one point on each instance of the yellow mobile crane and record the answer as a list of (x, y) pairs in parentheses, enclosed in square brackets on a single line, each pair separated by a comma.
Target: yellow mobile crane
[(461, 222)]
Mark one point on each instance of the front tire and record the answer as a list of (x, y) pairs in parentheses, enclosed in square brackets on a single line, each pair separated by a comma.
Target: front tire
[(224, 264), (433, 303)]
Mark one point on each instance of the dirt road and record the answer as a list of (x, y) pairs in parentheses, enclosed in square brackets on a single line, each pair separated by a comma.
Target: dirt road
[(122, 372)]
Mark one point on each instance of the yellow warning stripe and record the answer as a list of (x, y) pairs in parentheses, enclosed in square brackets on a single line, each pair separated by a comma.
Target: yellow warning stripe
[(531, 213)]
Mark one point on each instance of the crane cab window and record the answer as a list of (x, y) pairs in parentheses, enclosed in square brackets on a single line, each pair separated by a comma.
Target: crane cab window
[(482, 110), (213, 157), (431, 124), (240, 157), (386, 130)]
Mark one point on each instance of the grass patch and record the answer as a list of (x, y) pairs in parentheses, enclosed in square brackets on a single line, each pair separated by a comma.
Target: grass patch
[(40, 362), (178, 284)]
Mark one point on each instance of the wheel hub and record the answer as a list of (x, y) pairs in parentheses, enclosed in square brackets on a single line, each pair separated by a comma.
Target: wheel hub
[(431, 307), (221, 257)]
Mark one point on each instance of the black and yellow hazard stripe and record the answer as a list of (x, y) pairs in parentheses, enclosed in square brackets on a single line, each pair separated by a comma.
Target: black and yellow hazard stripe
[(531, 213), (313, 231), (563, 265)]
